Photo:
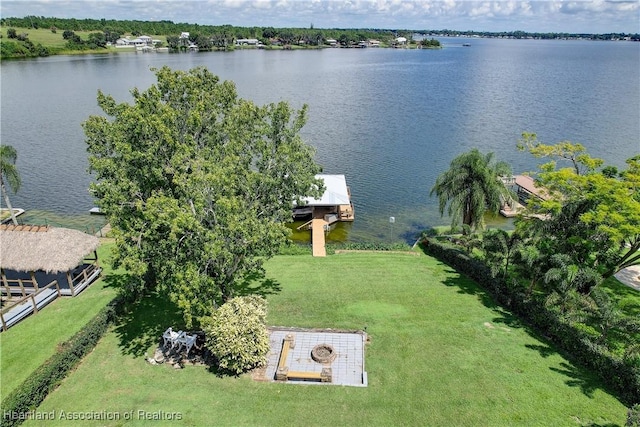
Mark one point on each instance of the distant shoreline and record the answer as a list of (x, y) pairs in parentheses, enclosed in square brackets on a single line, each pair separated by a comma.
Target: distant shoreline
[(35, 36)]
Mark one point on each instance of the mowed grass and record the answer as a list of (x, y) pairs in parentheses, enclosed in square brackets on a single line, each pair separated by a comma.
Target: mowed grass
[(441, 354), (32, 341)]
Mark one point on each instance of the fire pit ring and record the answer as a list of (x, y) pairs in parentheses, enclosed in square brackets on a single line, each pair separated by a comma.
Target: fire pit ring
[(323, 353)]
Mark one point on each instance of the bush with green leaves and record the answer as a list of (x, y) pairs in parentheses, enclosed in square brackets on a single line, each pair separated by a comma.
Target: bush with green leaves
[(633, 416), (236, 334)]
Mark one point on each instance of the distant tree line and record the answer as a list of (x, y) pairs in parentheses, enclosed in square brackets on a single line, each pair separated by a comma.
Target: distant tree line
[(526, 35), (309, 35), (220, 34)]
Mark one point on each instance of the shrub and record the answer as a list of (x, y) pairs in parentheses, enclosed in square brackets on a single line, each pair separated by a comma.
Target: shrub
[(236, 334), (633, 416)]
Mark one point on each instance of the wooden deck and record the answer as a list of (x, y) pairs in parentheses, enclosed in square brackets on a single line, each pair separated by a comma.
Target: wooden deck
[(317, 236), (32, 303)]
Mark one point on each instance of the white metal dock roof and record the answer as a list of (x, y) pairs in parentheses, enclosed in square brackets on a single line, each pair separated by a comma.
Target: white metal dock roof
[(336, 192)]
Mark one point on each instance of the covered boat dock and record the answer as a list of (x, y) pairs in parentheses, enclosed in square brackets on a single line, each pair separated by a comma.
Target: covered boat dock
[(334, 205)]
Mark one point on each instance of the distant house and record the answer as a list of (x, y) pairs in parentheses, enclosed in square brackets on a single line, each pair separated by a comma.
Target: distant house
[(247, 42), (123, 41), (141, 41), (184, 35), (401, 40), (331, 42)]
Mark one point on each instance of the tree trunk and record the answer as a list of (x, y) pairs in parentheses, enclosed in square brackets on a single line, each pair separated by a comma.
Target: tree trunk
[(8, 203)]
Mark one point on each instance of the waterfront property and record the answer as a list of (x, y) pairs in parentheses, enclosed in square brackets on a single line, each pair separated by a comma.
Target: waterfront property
[(40, 263)]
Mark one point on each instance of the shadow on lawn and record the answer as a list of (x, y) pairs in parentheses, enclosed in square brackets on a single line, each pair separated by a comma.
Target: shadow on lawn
[(142, 326), (468, 287), (578, 377)]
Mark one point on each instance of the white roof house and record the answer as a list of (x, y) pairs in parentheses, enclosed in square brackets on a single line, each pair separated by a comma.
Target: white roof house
[(251, 42)]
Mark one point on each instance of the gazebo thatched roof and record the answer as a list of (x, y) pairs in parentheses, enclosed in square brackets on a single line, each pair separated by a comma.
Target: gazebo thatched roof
[(53, 250)]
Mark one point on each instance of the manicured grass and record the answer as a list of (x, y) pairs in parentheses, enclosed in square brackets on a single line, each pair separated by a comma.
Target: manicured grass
[(28, 344), (441, 354)]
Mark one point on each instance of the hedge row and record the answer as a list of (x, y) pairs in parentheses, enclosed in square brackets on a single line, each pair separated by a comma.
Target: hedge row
[(622, 375), (43, 380)]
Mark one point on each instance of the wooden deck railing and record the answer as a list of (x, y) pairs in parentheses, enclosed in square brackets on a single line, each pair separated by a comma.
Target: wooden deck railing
[(24, 299), (84, 275)]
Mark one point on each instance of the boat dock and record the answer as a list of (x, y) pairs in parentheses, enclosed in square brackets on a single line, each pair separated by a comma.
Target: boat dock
[(525, 188)]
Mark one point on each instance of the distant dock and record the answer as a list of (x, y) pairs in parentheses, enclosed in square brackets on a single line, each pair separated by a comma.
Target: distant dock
[(526, 189)]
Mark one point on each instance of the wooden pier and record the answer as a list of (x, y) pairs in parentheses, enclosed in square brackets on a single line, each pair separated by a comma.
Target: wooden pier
[(317, 236)]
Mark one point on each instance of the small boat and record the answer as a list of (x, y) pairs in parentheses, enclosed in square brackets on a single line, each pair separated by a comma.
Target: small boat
[(302, 212), (95, 211), (466, 44)]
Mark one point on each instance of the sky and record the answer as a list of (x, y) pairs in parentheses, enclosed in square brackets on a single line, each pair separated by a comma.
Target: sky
[(581, 16)]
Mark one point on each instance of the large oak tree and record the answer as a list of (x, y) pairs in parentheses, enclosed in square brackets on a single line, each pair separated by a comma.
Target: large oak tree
[(198, 184)]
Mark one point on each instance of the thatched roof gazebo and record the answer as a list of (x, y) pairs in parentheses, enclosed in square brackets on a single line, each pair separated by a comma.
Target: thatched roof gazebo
[(33, 256)]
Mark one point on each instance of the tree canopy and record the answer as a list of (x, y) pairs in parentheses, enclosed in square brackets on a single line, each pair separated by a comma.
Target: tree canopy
[(198, 184), (471, 187), (594, 214)]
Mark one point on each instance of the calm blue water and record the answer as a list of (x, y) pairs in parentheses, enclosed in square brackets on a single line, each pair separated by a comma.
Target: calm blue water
[(391, 120)]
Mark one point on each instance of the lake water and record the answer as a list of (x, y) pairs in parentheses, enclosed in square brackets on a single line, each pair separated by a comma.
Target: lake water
[(390, 120)]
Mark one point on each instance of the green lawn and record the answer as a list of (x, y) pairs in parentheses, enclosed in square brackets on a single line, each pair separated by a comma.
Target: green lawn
[(441, 354), (28, 344)]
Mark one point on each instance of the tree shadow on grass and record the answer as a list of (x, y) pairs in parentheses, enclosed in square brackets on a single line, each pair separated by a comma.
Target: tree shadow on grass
[(544, 350), (468, 287), (116, 280), (508, 319), (141, 327), (257, 284), (579, 378)]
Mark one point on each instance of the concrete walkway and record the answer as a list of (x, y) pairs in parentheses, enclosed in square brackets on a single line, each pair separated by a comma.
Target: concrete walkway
[(630, 276)]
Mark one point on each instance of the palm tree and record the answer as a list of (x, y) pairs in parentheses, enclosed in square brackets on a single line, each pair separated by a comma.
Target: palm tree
[(9, 174), (472, 186)]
